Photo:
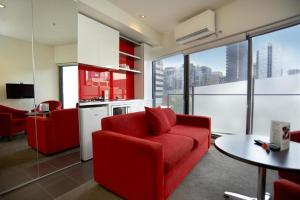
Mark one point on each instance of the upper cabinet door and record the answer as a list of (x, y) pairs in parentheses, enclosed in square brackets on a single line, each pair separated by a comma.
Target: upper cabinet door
[(98, 44)]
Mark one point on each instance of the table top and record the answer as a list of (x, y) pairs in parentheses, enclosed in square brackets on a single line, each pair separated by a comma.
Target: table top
[(37, 113), (242, 147)]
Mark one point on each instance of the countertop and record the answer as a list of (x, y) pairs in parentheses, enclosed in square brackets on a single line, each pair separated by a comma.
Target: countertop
[(116, 102)]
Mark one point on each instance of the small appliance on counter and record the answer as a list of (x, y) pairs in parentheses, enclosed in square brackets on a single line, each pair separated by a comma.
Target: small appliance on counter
[(44, 107)]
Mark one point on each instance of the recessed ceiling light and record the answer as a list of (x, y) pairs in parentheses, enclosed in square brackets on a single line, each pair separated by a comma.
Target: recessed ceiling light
[(2, 5), (142, 16)]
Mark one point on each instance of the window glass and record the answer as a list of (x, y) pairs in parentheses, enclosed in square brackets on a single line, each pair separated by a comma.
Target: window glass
[(218, 86), (169, 82), (276, 65)]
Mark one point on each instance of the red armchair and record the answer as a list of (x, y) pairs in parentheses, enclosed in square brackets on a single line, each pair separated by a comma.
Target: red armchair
[(57, 132), (292, 176), (285, 189), (289, 186), (12, 121), (53, 105)]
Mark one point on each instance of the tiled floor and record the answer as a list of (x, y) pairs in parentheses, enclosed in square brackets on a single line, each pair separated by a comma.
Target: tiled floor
[(54, 185), (19, 163)]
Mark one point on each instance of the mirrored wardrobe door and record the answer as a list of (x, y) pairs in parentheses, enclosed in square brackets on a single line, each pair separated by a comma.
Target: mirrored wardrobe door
[(55, 47), (17, 159)]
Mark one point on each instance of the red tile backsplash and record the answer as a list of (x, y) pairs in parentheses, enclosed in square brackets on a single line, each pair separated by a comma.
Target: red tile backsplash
[(93, 81)]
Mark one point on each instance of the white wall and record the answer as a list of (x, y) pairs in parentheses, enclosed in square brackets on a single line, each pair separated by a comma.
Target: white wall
[(236, 17), (46, 74), (16, 66), (65, 53), (148, 75)]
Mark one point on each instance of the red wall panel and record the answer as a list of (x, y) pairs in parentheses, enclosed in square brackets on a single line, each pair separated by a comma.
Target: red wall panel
[(93, 81)]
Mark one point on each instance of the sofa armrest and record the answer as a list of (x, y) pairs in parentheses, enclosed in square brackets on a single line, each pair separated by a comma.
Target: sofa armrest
[(5, 117), (5, 123), (19, 114), (129, 166), (284, 189), (192, 120), (295, 136)]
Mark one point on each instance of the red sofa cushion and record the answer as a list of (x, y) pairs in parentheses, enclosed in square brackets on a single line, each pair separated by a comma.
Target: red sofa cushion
[(157, 120), (171, 115), (174, 147), (199, 134), (133, 124)]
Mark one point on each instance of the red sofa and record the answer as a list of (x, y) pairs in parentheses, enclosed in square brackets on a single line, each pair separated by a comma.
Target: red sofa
[(289, 186), (135, 164), (12, 121), (57, 132)]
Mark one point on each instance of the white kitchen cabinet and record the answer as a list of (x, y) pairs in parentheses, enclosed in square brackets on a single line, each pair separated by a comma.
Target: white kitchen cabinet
[(90, 121), (98, 44), (136, 106)]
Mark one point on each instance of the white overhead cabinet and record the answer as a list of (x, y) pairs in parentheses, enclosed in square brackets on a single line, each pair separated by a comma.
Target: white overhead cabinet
[(97, 44)]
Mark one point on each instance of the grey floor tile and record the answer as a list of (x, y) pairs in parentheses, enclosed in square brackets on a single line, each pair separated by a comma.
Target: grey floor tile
[(29, 192), (57, 184)]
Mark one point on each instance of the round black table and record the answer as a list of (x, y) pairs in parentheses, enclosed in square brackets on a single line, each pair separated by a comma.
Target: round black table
[(242, 148)]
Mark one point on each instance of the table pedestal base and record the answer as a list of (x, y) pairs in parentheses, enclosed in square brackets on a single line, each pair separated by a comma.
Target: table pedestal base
[(232, 195), (261, 188)]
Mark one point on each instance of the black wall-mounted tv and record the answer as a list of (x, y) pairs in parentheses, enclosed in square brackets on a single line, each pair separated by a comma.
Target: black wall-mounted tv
[(19, 91)]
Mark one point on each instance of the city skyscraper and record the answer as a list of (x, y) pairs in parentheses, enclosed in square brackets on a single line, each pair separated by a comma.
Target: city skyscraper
[(293, 71), (159, 78), (236, 62), (268, 62), (173, 78)]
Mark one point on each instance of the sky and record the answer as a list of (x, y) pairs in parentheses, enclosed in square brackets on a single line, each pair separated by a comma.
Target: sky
[(288, 40)]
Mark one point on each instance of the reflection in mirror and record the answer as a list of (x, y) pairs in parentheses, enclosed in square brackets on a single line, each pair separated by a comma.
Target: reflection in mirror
[(17, 159), (37, 135), (53, 131)]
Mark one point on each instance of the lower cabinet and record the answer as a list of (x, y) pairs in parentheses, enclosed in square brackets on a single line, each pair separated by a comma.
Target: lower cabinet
[(90, 121), (136, 106)]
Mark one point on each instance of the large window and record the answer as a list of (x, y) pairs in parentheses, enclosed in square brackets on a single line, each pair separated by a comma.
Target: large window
[(218, 86), (169, 82), (69, 86), (276, 65)]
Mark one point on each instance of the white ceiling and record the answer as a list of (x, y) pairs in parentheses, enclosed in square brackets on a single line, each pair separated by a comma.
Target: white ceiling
[(55, 21), (16, 20), (163, 15)]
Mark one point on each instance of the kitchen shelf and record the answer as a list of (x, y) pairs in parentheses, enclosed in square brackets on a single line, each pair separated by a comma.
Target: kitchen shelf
[(130, 55), (129, 70), (130, 40)]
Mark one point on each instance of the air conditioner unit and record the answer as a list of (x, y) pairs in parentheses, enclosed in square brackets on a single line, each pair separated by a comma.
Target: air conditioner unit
[(197, 27)]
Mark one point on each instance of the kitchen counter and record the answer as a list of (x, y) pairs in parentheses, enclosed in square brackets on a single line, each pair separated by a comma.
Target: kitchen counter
[(108, 102)]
